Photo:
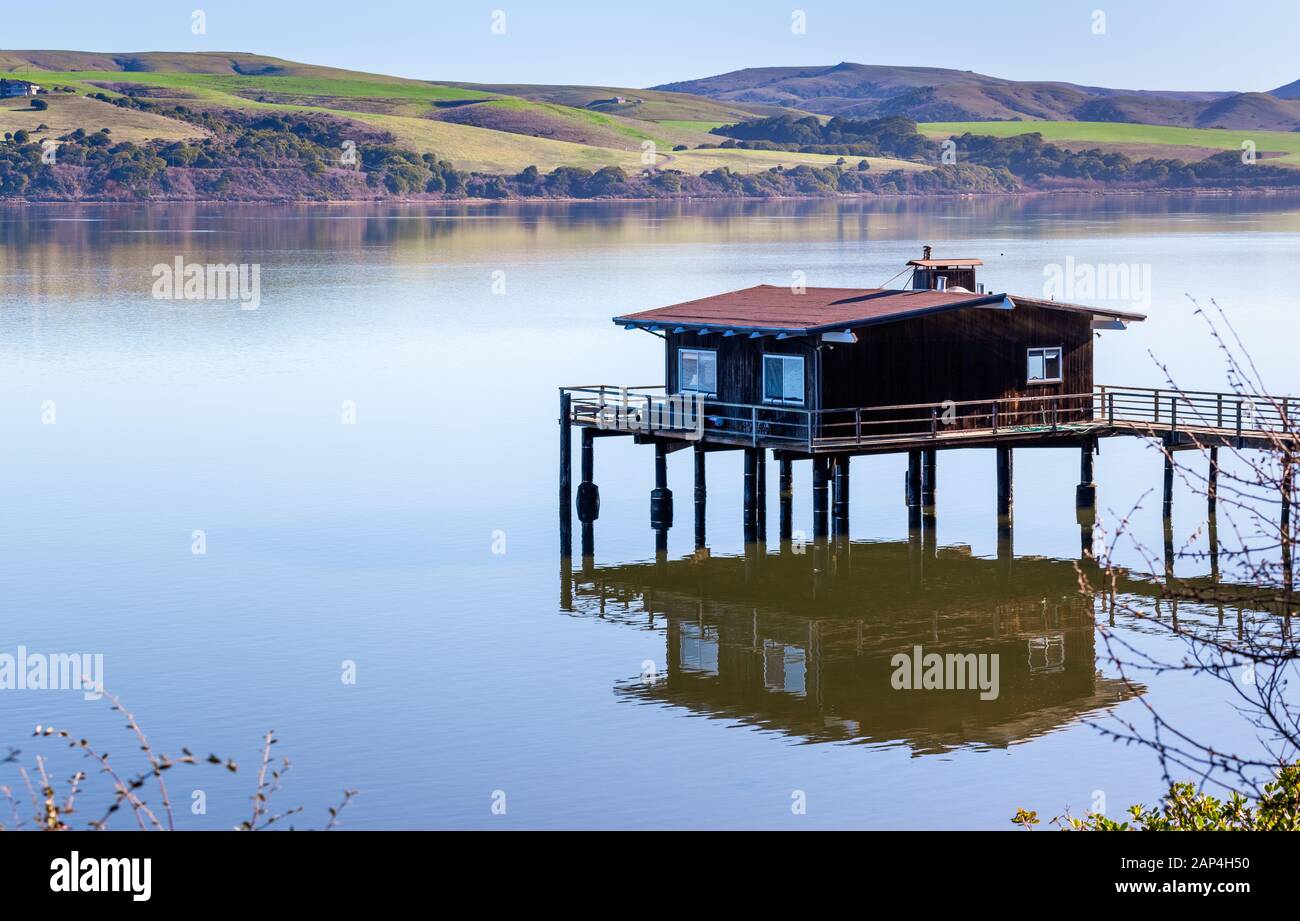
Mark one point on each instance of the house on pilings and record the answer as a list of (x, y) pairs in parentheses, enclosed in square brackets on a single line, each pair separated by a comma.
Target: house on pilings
[(830, 373), (842, 352)]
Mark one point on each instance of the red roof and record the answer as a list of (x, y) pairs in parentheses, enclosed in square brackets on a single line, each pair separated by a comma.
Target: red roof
[(946, 263), (769, 308), (814, 310)]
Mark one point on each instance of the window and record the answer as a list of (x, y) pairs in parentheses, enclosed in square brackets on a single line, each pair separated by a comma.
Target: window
[(697, 371), (1044, 366), (783, 379)]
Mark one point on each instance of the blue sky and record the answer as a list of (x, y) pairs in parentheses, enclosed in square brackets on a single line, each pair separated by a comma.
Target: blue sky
[(1147, 44)]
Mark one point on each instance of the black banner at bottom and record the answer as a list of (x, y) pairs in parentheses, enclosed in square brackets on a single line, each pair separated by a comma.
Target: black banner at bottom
[(215, 870)]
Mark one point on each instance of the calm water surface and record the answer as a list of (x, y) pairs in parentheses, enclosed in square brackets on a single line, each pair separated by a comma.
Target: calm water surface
[(480, 671)]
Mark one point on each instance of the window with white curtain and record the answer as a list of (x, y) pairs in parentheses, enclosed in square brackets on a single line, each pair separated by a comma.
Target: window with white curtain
[(1044, 366), (697, 371), (783, 379)]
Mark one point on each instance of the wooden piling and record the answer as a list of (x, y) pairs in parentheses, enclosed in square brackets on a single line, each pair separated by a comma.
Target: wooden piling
[(1005, 471), (1288, 487), (1212, 483), (1169, 480), (566, 476), (661, 501), (588, 492), (751, 495), (913, 491), (760, 484), (588, 501), (1168, 526), (821, 488), (701, 495), (787, 499), (929, 482), (840, 504), (1212, 535), (1085, 495), (661, 497), (1006, 547), (1006, 506)]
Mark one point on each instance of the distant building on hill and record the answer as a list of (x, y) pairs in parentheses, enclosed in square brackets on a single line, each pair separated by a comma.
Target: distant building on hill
[(10, 88)]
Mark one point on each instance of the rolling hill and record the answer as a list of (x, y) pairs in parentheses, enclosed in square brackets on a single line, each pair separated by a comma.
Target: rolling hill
[(1279, 148), (933, 94), (483, 128)]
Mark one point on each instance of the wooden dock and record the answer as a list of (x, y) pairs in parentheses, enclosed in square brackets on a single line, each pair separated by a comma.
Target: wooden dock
[(1177, 419)]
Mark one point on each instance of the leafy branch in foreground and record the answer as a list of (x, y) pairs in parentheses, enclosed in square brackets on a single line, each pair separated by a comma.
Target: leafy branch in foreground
[(1183, 809), (1255, 655), (51, 810)]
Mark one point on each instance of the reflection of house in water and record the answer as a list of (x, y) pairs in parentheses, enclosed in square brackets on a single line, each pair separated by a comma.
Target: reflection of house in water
[(764, 641)]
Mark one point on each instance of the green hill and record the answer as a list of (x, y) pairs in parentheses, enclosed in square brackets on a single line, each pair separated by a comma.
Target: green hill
[(1280, 148), (484, 128)]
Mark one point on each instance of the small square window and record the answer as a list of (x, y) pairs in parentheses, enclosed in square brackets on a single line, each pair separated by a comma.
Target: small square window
[(783, 379), (697, 371), (1044, 366)]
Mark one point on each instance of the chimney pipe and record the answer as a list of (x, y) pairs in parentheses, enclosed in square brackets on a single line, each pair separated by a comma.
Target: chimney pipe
[(925, 251)]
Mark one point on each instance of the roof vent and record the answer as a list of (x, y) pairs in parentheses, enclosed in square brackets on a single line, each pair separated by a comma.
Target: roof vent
[(941, 283)]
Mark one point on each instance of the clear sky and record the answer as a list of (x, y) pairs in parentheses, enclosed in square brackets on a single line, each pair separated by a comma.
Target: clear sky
[(1146, 44)]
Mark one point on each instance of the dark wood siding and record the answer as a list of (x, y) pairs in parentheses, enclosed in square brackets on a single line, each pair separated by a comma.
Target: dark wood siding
[(740, 363), (961, 355), (975, 354)]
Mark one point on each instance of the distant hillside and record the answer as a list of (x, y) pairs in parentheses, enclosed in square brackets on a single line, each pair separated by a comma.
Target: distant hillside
[(937, 94), (232, 63), (496, 129), (251, 127), (1290, 91), (650, 105)]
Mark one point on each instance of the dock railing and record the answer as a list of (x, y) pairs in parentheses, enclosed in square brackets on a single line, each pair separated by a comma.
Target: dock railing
[(1243, 415), (650, 410)]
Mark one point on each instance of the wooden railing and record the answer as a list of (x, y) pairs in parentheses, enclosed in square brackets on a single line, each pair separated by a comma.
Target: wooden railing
[(650, 410), (1241, 414)]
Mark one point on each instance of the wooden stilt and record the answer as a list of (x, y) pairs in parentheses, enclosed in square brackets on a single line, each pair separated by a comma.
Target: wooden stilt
[(929, 482), (1085, 495), (566, 477), (701, 495), (913, 490), (821, 487), (760, 519), (1212, 483), (1288, 488), (1169, 481), (1212, 535), (751, 495), (840, 507), (588, 497), (661, 497), (661, 501), (588, 492), (1005, 487), (1006, 546), (1169, 547), (787, 499)]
